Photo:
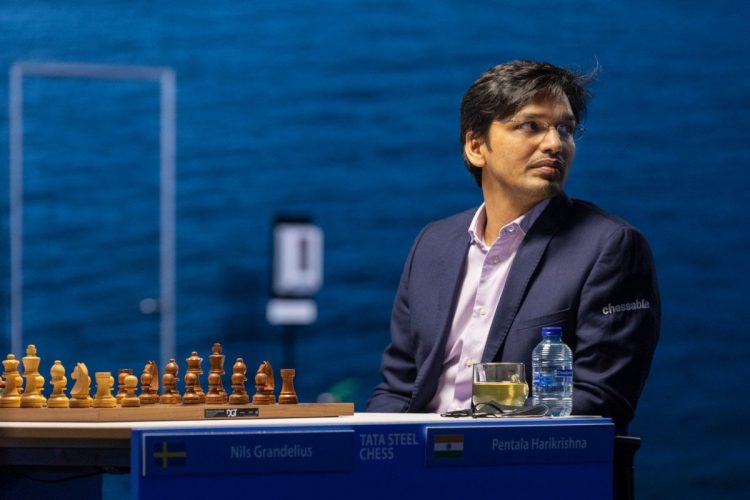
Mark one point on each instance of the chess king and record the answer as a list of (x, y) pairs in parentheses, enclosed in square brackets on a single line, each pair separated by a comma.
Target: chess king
[(32, 396)]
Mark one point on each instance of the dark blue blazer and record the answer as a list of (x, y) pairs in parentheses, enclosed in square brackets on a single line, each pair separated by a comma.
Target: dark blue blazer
[(578, 267)]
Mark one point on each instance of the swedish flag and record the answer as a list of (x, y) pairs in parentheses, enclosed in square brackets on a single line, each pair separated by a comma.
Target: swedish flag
[(169, 454)]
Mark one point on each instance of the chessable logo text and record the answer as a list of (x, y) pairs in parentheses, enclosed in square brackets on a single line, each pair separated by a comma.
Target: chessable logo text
[(260, 451), (628, 306)]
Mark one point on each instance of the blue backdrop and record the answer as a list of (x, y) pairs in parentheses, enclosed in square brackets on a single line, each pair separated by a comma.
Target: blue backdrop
[(348, 111)]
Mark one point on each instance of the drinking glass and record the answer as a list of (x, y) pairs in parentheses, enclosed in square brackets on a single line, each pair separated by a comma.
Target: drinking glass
[(503, 383)]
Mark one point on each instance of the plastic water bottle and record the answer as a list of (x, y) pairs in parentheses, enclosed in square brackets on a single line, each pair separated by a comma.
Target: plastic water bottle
[(552, 370)]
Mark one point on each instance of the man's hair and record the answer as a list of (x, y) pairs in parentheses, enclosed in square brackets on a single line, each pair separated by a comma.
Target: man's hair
[(506, 88)]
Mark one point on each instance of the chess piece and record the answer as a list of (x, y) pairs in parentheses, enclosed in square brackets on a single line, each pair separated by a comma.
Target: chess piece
[(153, 388), (32, 396), (213, 396), (59, 382), (79, 394), (146, 379), (124, 372), (11, 397), (216, 358), (194, 367), (130, 400), (264, 385), (287, 396), (104, 397), (239, 394), (191, 397), (169, 381)]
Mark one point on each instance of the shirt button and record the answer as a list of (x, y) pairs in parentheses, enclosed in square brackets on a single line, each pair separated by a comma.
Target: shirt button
[(469, 362), (483, 311), (511, 229), (495, 260)]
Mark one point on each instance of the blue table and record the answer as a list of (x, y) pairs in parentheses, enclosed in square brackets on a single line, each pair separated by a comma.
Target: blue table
[(375, 456)]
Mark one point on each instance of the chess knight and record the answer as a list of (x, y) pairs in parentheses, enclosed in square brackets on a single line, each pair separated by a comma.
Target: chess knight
[(264, 385)]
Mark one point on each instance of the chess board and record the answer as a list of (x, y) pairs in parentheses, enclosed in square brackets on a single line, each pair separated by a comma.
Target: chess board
[(179, 412), (26, 403)]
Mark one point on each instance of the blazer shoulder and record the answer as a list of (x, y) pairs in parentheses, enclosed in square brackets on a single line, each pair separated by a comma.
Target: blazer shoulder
[(454, 225), (450, 223), (591, 218)]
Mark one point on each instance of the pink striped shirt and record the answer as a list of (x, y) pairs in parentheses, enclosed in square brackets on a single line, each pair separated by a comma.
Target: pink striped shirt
[(487, 270)]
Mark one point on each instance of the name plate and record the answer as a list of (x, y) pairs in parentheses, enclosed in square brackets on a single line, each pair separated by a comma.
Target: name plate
[(230, 412), (212, 453), (516, 445)]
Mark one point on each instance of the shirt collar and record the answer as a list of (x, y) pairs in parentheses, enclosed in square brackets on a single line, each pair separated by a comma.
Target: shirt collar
[(523, 222)]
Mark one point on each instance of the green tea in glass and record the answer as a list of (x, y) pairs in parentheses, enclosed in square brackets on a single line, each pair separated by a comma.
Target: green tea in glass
[(502, 383)]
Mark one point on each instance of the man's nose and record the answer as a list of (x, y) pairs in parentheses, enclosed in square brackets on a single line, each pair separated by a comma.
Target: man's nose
[(551, 142)]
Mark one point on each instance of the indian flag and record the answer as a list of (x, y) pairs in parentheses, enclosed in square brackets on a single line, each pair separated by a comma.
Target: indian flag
[(449, 446)]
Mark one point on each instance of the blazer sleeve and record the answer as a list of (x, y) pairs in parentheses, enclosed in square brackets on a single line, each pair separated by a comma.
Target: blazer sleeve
[(617, 328), (398, 367)]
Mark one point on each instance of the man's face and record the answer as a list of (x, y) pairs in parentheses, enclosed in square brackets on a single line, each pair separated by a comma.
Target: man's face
[(526, 157)]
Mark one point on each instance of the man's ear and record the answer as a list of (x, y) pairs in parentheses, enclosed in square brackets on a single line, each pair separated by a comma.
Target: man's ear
[(473, 149)]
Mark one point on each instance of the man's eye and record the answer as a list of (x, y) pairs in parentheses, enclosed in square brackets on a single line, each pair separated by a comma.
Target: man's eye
[(565, 129), (530, 126)]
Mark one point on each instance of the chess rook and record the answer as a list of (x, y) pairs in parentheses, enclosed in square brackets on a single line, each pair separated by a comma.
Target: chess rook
[(287, 396)]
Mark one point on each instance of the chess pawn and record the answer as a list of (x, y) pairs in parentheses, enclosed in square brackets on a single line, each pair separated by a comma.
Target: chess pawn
[(191, 397), (287, 396), (79, 394), (145, 397), (169, 380), (124, 372), (239, 394), (32, 396), (214, 397), (11, 397), (104, 397), (130, 400), (59, 382), (194, 366)]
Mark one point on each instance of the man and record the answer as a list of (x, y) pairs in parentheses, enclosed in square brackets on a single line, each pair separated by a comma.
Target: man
[(480, 285)]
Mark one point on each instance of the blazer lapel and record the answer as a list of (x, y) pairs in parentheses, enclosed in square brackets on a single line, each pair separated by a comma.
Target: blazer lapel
[(451, 278), (449, 272), (527, 259)]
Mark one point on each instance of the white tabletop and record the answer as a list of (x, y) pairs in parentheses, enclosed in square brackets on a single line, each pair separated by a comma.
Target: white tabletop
[(356, 419)]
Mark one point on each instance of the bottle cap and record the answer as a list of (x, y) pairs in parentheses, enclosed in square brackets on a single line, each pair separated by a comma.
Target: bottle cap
[(549, 331)]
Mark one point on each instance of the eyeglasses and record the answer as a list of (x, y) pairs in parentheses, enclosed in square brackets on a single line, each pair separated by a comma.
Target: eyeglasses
[(537, 129), (494, 409)]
